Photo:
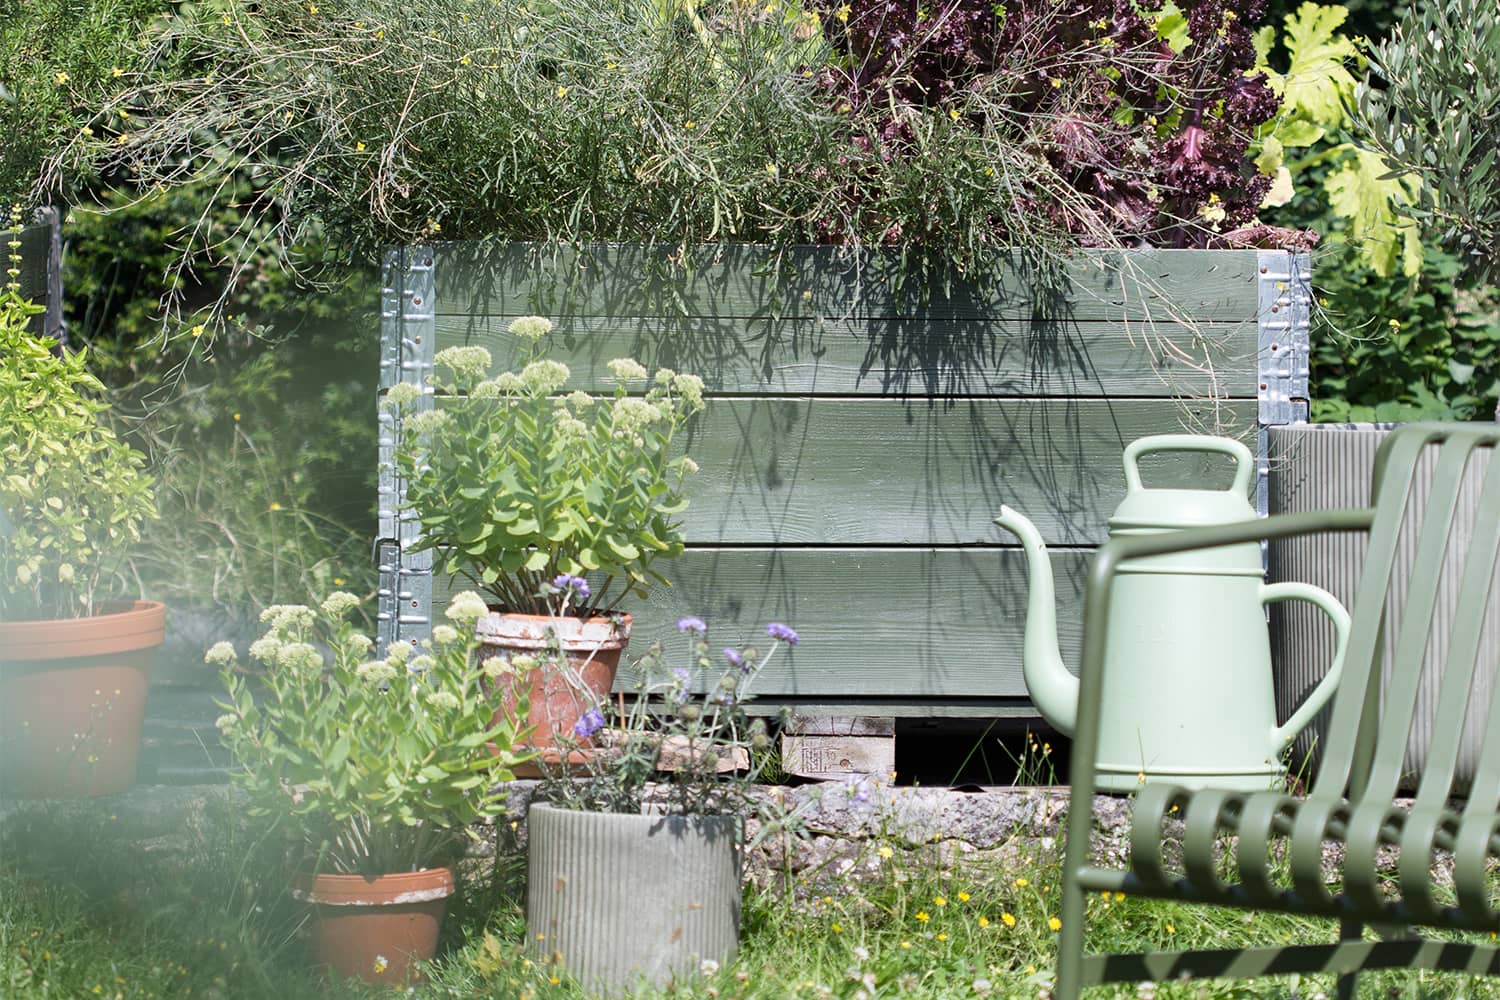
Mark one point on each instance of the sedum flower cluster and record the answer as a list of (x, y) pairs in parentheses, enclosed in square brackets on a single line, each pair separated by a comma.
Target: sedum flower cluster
[(379, 763), (517, 482)]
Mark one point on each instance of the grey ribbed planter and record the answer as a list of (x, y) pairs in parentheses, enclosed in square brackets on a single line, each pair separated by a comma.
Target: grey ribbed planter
[(1321, 466), (626, 899)]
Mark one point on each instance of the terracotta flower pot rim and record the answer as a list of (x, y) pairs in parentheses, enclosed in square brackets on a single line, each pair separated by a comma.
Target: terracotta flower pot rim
[(394, 889), (530, 632), (138, 625)]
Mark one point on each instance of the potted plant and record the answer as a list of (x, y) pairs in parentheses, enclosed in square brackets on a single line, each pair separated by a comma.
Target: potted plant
[(628, 882), (377, 765), (73, 497), (530, 494)]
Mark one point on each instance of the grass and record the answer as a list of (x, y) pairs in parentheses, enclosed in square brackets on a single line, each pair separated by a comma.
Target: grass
[(91, 907)]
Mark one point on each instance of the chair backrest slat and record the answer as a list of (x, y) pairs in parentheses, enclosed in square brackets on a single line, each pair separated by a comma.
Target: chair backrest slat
[(1395, 467), (1414, 632), (1476, 587), (1445, 535)]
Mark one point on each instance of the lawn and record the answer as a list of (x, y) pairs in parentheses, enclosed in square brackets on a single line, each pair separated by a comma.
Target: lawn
[(99, 904)]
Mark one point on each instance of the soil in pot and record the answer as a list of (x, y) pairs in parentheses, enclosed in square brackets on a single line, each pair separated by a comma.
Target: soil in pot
[(592, 648), (376, 929), (73, 701)]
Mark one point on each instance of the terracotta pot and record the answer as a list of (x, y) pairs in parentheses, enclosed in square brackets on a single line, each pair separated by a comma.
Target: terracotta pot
[(592, 647), (73, 700), (376, 929)]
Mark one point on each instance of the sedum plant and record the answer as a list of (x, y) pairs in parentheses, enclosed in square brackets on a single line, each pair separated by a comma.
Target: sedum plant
[(379, 765), (518, 485), (73, 497)]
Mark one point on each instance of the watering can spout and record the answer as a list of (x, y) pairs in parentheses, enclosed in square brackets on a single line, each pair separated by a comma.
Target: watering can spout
[(1052, 687)]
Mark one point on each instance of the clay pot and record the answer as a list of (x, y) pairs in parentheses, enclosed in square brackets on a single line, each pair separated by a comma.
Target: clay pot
[(376, 929), (592, 647), (73, 700)]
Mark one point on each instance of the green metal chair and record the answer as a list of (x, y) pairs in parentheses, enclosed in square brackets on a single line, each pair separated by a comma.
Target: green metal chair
[(1351, 802)]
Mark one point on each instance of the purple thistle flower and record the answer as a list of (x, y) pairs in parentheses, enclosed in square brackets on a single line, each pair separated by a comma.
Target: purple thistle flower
[(781, 633), (733, 656), (691, 623), (577, 584), (588, 724)]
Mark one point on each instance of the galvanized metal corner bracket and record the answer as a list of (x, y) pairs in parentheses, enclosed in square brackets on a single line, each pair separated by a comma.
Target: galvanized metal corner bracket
[(407, 333), (1284, 321)]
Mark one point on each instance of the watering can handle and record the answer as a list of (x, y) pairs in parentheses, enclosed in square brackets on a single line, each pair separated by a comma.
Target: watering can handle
[(1330, 606), (1244, 461)]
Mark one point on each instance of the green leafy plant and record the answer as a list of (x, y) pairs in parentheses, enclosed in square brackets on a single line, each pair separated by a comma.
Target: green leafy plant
[(517, 485), (379, 765), (1431, 118), (715, 748), (73, 497)]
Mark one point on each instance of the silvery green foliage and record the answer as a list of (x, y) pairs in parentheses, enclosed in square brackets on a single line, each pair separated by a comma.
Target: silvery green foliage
[(517, 482), (375, 764), (1429, 110)]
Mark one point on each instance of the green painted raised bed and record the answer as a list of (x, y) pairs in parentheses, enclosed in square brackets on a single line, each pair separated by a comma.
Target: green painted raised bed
[(858, 441)]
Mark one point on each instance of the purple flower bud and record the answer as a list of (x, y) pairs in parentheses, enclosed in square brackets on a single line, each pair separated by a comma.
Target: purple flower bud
[(588, 724), (782, 633), (564, 582), (733, 656), (691, 623)]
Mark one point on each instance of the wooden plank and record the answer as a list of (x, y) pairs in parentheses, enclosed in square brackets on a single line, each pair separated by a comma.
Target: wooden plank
[(874, 623), (892, 472), (748, 281), (841, 725), (894, 357), (835, 757)]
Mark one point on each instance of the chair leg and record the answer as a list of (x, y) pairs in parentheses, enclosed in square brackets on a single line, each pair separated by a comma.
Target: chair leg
[(1070, 944), (1348, 984)]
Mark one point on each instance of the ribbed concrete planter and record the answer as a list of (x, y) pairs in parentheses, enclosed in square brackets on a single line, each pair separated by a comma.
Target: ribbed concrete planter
[(622, 899), (1322, 466)]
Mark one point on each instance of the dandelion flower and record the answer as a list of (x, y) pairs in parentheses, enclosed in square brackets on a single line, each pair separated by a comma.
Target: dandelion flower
[(886, 852), (923, 916), (1054, 923), (963, 897), (939, 901), (1008, 919), (984, 922), (1021, 883)]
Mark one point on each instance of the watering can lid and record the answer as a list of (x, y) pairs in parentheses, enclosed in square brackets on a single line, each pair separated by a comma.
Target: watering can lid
[(1170, 508)]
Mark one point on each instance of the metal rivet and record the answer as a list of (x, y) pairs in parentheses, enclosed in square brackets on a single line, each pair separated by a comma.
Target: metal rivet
[(414, 603), (426, 261), (1262, 385), (1264, 269), (416, 340), (416, 300), (1275, 308), (1274, 347)]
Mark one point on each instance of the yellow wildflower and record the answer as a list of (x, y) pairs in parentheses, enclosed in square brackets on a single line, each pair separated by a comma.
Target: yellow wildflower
[(886, 852), (1007, 919), (939, 901), (923, 916), (963, 897), (1021, 883), (984, 921), (562, 91), (1054, 923), (60, 77)]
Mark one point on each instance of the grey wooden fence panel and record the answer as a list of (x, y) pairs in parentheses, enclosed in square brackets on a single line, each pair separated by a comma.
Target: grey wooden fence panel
[(915, 623)]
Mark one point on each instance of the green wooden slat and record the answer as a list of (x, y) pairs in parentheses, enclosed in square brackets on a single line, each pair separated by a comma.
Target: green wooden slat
[(1344, 957), (896, 356), (896, 623), (737, 281), (920, 472), (35, 247)]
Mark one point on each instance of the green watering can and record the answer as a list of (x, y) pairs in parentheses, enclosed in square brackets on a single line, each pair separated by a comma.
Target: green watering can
[(1188, 695)]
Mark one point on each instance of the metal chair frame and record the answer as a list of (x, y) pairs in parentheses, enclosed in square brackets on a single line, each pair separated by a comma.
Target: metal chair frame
[(1351, 801)]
